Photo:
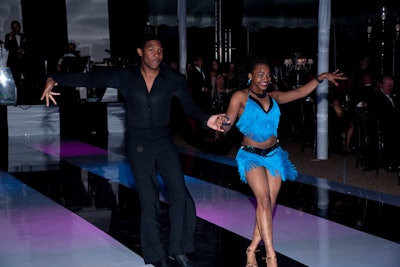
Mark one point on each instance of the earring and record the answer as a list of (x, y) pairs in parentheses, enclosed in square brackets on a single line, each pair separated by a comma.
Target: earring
[(248, 81)]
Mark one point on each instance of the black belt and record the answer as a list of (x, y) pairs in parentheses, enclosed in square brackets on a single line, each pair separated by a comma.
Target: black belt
[(260, 151)]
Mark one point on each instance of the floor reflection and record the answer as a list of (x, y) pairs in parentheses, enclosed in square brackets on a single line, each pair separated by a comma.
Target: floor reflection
[(313, 223)]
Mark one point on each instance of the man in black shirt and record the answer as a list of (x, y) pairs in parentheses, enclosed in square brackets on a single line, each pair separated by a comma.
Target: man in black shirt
[(148, 91)]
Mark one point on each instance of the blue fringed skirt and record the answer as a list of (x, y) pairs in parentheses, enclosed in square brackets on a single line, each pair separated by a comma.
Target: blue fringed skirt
[(277, 162)]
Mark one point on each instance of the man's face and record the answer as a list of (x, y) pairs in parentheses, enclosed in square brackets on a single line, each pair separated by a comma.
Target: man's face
[(151, 54), (71, 47), (199, 62), (387, 85), (15, 27)]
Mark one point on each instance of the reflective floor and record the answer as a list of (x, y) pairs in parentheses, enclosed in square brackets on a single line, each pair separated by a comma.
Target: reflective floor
[(64, 202)]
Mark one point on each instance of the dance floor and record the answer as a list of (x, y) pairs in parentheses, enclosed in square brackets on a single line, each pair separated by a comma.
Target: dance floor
[(64, 202)]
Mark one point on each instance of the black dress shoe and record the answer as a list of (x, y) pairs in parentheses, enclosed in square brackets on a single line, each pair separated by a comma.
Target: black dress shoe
[(183, 261)]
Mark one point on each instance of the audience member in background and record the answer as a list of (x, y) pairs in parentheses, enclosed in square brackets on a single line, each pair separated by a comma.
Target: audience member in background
[(215, 70), (16, 44), (384, 113), (362, 94), (72, 62), (70, 52), (233, 79), (360, 98), (218, 104), (174, 65), (362, 66), (198, 79), (200, 85), (341, 126), (189, 67), (345, 90), (278, 71)]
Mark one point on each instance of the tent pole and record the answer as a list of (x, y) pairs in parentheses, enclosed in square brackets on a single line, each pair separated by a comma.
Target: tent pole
[(324, 21), (181, 12)]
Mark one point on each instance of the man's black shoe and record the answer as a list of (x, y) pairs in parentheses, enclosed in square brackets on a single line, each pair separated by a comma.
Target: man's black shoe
[(183, 261)]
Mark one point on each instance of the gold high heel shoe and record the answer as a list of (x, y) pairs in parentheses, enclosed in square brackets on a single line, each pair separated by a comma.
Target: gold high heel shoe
[(271, 259), (248, 264)]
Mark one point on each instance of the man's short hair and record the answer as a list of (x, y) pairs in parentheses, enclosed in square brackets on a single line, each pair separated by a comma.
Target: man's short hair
[(148, 37)]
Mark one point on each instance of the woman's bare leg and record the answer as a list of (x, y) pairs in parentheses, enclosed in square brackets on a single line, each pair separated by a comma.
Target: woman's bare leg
[(266, 189)]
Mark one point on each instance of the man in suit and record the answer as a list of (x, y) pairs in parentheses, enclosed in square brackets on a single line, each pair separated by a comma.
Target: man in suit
[(15, 44), (384, 112), (199, 84)]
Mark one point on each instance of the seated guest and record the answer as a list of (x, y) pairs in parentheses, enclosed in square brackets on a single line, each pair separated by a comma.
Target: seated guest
[(341, 115), (363, 93), (360, 98), (384, 113), (70, 52)]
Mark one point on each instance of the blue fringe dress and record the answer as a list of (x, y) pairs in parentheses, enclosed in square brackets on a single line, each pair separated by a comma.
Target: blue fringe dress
[(259, 125)]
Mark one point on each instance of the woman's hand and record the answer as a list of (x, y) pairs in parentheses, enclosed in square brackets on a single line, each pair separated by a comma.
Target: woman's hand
[(331, 76), (47, 92)]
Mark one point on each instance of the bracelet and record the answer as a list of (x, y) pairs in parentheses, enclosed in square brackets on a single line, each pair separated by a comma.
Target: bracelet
[(318, 80), (205, 123)]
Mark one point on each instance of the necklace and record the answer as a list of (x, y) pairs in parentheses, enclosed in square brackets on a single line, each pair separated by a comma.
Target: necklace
[(262, 95)]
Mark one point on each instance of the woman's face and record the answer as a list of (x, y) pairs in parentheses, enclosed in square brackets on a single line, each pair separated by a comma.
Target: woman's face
[(260, 76), (215, 65), (220, 81)]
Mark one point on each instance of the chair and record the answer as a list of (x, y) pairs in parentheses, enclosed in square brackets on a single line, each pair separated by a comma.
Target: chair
[(362, 137), (74, 64), (308, 125), (374, 142)]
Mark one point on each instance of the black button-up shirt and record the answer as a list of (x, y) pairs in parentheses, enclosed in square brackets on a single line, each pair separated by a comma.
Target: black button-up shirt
[(145, 110)]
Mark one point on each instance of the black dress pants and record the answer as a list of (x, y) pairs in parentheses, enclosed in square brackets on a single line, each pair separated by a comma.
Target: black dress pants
[(152, 153)]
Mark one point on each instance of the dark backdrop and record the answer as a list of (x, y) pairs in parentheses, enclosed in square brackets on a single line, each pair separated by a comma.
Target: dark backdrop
[(45, 26)]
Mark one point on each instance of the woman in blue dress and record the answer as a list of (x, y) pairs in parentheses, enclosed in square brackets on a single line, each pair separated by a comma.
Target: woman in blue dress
[(262, 163)]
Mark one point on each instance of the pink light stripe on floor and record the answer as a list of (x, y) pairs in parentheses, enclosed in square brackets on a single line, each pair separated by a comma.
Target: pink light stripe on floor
[(35, 231)]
